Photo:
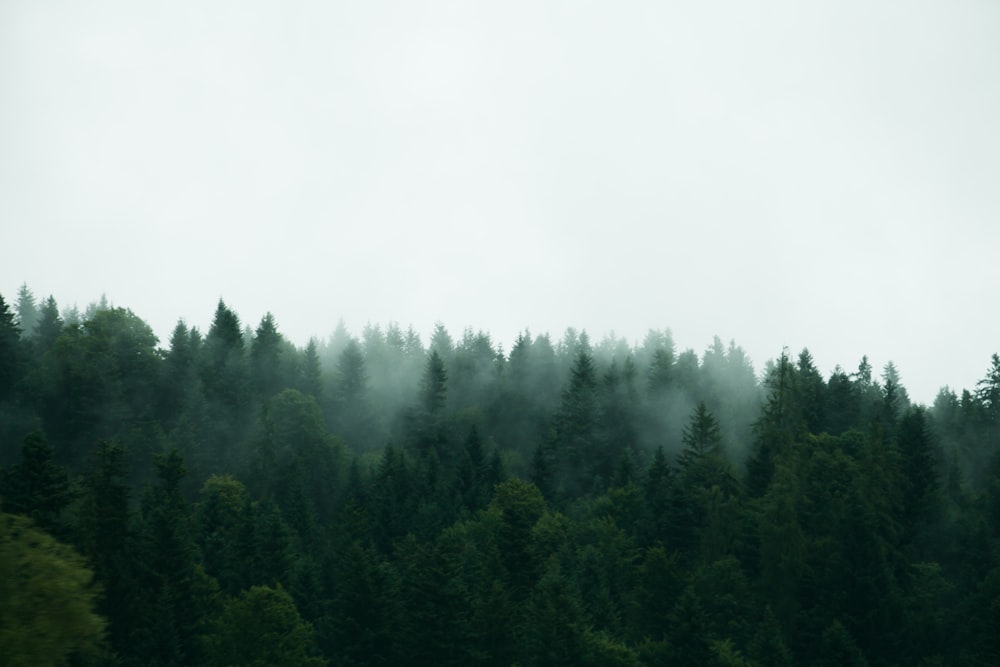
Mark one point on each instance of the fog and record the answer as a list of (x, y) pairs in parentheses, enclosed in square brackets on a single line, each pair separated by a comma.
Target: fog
[(784, 174)]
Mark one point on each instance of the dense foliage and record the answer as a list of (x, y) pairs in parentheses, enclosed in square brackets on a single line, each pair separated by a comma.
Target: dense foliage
[(232, 499)]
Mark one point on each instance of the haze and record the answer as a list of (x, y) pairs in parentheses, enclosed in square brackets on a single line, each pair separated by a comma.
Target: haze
[(820, 176)]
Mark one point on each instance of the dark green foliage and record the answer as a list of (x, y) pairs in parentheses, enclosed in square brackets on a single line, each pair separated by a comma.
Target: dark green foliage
[(107, 540), (49, 325), (27, 310), (167, 625), (37, 487), (11, 351), (46, 599), (803, 522), (266, 359), (839, 648), (261, 628), (702, 437)]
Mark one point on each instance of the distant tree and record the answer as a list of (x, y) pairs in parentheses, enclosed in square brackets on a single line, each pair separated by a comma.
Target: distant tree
[(774, 429), (27, 310), (353, 418), (842, 406), (617, 426), (429, 422), (988, 392), (702, 437), (48, 326), (575, 427), (11, 354), (810, 393), (311, 381), (434, 386), (101, 380), (920, 468), (265, 358)]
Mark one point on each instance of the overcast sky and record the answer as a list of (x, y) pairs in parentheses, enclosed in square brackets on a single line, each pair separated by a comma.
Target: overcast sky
[(821, 174)]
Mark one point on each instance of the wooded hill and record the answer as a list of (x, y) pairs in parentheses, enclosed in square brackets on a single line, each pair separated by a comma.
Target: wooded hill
[(230, 498)]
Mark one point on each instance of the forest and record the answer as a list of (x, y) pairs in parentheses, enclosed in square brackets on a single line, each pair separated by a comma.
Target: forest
[(228, 498)]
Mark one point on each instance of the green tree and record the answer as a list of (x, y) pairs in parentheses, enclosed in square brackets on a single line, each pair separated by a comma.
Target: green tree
[(774, 430), (353, 418), (919, 463), (702, 437), (49, 325), (311, 380), (554, 628), (839, 649), (261, 628), (107, 540), (37, 487), (575, 442), (266, 358), (46, 599), (27, 310), (11, 352), (169, 620)]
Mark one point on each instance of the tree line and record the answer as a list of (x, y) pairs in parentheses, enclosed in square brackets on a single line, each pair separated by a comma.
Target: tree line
[(230, 498)]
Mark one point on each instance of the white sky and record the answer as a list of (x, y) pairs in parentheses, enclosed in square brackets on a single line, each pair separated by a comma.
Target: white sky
[(821, 174)]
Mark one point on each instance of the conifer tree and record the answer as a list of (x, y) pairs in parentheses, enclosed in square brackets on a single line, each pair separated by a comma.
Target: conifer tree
[(37, 487), (49, 325), (265, 358), (11, 354), (27, 311), (702, 437), (108, 541)]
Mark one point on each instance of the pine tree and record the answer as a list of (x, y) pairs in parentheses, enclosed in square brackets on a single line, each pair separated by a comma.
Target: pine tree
[(575, 441), (27, 310), (702, 437), (49, 325), (11, 354), (168, 622), (311, 381), (919, 463), (37, 487), (107, 539), (265, 358), (261, 628)]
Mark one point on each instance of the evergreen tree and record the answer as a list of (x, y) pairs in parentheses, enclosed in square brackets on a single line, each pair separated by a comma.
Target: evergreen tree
[(839, 649), (575, 441), (311, 381), (48, 326), (702, 437), (37, 487), (265, 358), (27, 310), (774, 430), (261, 628), (11, 354), (353, 419), (168, 623), (810, 391), (919, 464), (107, 540)]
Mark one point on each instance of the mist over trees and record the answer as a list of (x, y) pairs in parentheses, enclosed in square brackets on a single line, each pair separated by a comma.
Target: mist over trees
[(226, 497)]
